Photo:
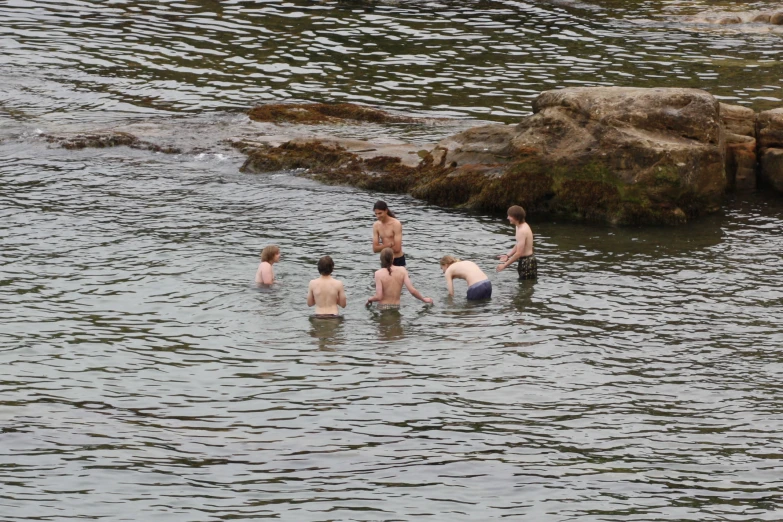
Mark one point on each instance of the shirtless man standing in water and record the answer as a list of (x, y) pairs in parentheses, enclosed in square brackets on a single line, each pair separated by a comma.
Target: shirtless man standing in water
[(326, 293), (387, 232), (389, 281), (523, 249)]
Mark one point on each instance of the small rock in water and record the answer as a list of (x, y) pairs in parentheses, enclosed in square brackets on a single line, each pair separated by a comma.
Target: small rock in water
[(730, 20), (762, 18), (777, 18)]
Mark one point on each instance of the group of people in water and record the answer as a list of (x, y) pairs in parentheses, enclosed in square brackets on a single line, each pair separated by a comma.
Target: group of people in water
[(327, 293)]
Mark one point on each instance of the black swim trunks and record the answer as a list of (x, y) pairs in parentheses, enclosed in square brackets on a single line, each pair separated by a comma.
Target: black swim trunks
[(399, 261), (527, 268)]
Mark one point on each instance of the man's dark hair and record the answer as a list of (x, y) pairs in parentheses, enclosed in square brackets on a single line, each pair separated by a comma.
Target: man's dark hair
[(381, 205), (325, 265), (517, 213)]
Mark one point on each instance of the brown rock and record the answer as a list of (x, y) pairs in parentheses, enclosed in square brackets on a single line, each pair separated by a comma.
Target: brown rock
[(741, 164), (737, 119), (762, 18), (770, 129), (730, 20), (739, 124), (777, 18), (771, 174)]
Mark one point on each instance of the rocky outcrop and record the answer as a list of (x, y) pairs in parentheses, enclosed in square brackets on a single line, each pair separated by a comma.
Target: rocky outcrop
[(619, 155), (102, 140), (739, 124), (770, 138)]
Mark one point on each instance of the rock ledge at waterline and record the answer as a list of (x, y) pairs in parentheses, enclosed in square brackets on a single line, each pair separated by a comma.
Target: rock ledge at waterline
[(605, 154)]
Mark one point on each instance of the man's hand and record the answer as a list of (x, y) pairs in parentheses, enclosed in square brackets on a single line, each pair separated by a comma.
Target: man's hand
[(428, 300), (503, 258), (501, 267)]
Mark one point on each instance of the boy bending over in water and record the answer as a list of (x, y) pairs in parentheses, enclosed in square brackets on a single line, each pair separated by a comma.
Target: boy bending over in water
[(269, 256), (389, 281), (479, 286), (326, 293)]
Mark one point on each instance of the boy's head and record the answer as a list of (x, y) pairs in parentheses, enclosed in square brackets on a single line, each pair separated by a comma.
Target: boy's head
[(269, 253), (517, 213), (447, 261), (325, 265)]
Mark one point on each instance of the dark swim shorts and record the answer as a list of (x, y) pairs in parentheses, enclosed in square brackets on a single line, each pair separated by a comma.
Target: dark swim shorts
[(527, 268), (399, 261), (480, 290)]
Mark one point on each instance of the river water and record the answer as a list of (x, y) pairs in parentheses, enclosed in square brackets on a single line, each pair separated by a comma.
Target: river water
[(145, 377)]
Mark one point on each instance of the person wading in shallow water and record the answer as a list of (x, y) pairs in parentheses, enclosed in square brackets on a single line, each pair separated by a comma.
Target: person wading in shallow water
[(387, 232), (326, 293), (269, 256), (389, 281), (479, 286), (523, 249)]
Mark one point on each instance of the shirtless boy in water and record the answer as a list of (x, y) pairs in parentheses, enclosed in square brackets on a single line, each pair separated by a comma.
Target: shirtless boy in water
[(387, 232), (326, 293), (527, 267), (479, 286), (265, 273), (389, 281)]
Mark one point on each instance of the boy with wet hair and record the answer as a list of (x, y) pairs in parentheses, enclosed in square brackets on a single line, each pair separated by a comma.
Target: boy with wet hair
[(527, 266), (269, 256), (326, 293), (479, 285)]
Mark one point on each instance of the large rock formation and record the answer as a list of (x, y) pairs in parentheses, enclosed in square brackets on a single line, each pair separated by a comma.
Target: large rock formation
[(619, 155), (622, 155)]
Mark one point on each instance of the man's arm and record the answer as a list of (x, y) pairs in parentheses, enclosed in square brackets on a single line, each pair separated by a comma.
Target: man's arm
[(397, 246), (342, 300), (515, 253), (377, 246), (378, 291), (310, 296), (449, 282), (415, 293)]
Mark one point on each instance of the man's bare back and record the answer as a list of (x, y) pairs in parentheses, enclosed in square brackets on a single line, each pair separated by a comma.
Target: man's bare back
[(466, 270), (326, 293), (389, 281)]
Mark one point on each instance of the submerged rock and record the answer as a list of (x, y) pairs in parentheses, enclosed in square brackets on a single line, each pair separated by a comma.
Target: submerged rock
[(314, 113), (106, 139), (611, 154)]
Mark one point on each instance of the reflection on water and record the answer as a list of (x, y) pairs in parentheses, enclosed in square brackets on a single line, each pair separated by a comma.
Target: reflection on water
[(389, 324), (327, 331)]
